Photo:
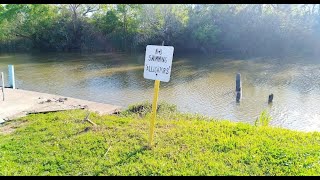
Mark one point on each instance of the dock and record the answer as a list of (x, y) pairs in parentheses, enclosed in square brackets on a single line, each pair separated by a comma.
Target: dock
[(19, 103)]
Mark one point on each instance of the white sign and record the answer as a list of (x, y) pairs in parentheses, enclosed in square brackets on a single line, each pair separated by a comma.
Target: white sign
[(158, 62)]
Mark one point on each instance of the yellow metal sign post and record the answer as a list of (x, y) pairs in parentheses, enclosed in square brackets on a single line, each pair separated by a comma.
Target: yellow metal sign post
[(154, 111), (158, 62)]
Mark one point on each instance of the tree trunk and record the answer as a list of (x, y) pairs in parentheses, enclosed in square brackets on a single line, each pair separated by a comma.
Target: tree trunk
[(125, 27)]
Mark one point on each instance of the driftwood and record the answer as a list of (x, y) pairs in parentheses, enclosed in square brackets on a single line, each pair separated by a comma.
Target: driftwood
[(54, 109), (55, 100), (48, 111), (87, 119)]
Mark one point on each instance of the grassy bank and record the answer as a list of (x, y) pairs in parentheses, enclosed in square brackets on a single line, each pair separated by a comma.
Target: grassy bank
[(63, 144)]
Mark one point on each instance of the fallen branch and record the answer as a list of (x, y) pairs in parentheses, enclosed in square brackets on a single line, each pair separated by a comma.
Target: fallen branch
[(106, 152), (52, 109), (44, 112), (87, 119)]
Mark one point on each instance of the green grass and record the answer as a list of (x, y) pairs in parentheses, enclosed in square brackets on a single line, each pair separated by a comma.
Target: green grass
[(263, 119), (62, 144)]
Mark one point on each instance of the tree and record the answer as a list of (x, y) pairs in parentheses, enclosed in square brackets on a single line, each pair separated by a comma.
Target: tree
[(162, 22), (26, 20)]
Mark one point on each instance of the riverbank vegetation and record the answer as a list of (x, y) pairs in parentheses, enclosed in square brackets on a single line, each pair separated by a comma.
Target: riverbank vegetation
[(229, 29), (64, 144)]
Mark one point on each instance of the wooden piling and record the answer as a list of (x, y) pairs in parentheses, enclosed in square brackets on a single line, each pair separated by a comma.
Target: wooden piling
[(2, 87), (238, 87), (238, 82), (238, 97), (270, 99)]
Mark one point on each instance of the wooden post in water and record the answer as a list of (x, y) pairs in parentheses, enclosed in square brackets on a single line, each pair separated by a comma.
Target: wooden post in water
[(11, 80), (270, 99), (238, 97), (238, 87), (2, 83)]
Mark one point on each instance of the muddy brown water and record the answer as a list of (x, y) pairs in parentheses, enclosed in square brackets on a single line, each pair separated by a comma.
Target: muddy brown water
[(204, 85)]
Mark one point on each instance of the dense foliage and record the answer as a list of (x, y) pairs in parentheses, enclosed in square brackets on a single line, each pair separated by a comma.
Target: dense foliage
[(230, 29)]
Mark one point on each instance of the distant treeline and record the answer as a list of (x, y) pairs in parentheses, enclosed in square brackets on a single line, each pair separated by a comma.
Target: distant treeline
[(230, 29)]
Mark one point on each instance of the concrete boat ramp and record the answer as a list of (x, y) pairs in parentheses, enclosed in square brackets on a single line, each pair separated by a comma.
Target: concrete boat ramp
[(19, 103)]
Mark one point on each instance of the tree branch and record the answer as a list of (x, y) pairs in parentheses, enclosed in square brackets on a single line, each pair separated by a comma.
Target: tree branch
[(21, 35), (90, 9)]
